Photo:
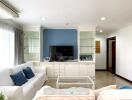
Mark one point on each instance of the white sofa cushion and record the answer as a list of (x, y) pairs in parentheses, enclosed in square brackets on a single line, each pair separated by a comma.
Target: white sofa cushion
[(41, 79), (12, 92), (37, 81), (116, 94), (30, 64), (40, 69), (17, 68), (5, 79), (27, 88), (97, 91)]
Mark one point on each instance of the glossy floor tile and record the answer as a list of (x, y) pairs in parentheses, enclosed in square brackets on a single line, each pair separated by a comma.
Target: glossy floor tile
[(103, 78)]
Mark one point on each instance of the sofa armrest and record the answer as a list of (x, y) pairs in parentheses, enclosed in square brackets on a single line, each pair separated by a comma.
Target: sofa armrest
[(97, 91), (40, 69), (12, 92)]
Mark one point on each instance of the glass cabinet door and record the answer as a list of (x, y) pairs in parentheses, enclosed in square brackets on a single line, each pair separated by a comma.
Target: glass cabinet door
[(87, 45), (31, 46)]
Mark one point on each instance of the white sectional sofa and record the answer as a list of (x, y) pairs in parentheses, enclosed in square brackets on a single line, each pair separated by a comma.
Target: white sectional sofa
[(27, 90)]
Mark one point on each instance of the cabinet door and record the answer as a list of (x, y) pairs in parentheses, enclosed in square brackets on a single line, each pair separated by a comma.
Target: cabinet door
[(62, 69), (83, 69), (91, 70), (50, 70), (72, 69), (56, 69), (87, 69)]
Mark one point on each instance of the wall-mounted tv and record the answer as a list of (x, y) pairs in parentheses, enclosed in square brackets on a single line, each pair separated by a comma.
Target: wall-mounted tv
[(61, 53)]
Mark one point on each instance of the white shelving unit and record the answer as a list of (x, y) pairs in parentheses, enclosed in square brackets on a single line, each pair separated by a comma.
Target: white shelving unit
[(87, 46), (31, 46)]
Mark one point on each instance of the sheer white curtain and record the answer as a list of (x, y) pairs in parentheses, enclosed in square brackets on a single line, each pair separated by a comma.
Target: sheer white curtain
[(7, 45)]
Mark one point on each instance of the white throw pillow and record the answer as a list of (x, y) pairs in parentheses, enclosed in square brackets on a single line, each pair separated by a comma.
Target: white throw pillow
[(5, 79), (16, 69), (30, 64)]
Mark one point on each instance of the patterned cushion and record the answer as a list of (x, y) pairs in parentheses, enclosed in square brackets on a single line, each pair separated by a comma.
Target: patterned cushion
[(28, 72), (18, 78)]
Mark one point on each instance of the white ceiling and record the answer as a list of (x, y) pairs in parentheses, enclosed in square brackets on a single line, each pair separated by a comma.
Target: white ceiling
[(71, 13)]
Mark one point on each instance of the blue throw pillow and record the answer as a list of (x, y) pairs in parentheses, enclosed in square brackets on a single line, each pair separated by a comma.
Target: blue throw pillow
[(28, 72), (125, 87), (18, 78)]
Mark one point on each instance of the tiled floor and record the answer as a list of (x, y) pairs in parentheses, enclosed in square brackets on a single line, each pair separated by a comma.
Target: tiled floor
[(103, 78)]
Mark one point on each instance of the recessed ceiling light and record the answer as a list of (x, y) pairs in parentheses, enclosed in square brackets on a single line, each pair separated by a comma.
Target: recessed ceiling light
[(103, 18), (100, 31)]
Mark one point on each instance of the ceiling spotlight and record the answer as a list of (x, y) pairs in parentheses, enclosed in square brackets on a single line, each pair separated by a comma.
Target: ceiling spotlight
[(100, 31), (103, 18)]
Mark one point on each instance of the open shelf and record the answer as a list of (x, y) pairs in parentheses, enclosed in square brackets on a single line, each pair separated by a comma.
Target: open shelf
[(87, 46)]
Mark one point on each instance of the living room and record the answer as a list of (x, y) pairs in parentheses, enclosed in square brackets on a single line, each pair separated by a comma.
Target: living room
[(54, 50)]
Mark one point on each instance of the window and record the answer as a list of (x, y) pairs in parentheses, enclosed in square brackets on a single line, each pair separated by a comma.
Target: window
[(6, 46)]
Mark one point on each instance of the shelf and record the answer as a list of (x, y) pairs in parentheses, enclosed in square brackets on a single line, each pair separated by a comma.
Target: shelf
[(31, 38), (87, 46), (32, 46), (87, 39), (81, 54), (31, 53)]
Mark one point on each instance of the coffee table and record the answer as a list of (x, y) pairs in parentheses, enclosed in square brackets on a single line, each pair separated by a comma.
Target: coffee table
[(75, 81)]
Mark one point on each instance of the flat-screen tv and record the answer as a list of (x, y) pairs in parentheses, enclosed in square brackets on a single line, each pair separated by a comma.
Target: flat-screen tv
[(61, 53)]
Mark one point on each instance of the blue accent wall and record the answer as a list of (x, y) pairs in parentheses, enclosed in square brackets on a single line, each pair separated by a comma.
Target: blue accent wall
[(59, 37)]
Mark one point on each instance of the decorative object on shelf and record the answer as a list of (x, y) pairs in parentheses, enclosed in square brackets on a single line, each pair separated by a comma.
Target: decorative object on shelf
[(86, 57), (2, 97), (47, 59), (97, 46)]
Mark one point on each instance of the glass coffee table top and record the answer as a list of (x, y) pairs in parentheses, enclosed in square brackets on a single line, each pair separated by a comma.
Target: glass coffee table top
[(74, 80)]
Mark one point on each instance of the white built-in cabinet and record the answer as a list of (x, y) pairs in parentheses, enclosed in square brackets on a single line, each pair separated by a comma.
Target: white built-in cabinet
[(55, 69), (33, 51)]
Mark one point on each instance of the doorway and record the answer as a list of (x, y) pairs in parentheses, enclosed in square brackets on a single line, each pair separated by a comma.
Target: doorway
[(111, 55)]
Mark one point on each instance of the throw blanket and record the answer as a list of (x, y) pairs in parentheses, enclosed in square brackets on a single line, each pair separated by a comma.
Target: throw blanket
[(48, 93)]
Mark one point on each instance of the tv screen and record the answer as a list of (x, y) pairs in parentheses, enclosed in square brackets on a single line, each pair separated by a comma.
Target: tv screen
[(61, 53)]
